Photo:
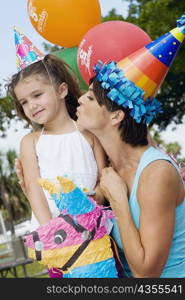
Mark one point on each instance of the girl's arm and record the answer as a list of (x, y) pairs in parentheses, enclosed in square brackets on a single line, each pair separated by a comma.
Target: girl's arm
[(31, 173)]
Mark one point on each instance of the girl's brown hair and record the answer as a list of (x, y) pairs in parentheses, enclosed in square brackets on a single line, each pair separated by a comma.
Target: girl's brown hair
[(55, 71)]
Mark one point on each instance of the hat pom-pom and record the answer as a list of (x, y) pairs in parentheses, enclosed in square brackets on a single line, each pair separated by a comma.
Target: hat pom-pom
[(181, 21)]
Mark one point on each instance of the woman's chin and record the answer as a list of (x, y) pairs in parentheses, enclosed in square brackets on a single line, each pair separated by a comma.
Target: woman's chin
[(78, 121)]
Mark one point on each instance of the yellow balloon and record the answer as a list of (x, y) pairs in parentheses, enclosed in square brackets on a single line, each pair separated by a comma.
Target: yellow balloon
[(64, 22)]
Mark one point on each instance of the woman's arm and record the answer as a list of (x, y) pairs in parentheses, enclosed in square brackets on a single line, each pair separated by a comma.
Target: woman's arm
[(147, 248), (31, 173)]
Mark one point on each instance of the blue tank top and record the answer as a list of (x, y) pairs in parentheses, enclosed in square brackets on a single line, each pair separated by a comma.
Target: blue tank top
[(175, 265)]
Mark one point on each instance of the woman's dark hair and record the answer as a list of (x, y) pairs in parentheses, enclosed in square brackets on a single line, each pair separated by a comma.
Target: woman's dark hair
[(131, 132), (54, 70)]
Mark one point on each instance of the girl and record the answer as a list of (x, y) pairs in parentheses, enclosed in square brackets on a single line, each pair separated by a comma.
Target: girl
[(45, 94)]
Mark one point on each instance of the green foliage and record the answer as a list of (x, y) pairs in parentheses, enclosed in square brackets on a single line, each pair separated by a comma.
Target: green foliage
[(157, 17), (7, 113), (12, 200), (51, 48), (33, 269), (173, 149), (112, 16)]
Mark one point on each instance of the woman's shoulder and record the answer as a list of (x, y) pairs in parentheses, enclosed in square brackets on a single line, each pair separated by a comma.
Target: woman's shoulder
[(161, 173), (160, 167)]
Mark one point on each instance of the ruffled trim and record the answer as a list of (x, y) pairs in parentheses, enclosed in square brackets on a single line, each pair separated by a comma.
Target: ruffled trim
[(181, 23), (125, 93)]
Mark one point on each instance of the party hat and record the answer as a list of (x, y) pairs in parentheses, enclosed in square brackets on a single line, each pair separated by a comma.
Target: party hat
[(134, 81), (26, 52)]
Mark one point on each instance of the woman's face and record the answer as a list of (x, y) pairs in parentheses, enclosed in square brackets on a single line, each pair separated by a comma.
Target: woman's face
[(91, 115)]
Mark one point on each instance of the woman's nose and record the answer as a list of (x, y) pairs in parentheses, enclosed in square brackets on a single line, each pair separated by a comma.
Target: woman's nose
[(80, 100)]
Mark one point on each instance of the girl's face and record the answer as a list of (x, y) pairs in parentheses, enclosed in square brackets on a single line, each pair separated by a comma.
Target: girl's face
[(91, 115), (38, 99)]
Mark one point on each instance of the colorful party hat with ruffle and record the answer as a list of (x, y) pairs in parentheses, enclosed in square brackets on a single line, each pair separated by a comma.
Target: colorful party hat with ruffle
[(26, 52), (134, 81)]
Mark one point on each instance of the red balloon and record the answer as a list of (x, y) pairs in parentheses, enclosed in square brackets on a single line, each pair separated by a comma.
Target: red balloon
[(112, 40)]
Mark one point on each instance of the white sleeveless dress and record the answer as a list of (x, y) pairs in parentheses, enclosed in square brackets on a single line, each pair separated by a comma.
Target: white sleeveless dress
[(69, 155)]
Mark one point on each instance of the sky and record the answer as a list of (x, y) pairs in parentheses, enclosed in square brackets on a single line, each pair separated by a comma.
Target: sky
[(14, 13)]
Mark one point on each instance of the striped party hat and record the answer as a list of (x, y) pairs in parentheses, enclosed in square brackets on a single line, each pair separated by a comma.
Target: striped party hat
[(134, 81), (26, 52)]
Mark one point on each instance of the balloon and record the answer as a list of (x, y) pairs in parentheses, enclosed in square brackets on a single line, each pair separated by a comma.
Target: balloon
[(112, 40), (64, 22), (69, 55)]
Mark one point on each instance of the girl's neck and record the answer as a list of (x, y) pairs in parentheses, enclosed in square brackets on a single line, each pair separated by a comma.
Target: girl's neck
[(59, 125)]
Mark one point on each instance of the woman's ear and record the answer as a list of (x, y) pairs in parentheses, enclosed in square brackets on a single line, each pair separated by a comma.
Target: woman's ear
[(63, 90), (117, 116)]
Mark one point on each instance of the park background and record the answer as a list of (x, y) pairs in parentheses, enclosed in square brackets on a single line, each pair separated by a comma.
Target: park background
[(154, 17)]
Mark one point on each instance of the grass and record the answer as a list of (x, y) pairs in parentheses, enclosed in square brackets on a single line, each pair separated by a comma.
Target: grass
[(33, 269)]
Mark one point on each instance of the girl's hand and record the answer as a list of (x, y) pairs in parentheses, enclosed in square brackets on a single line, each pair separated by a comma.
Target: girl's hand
[(113, 186), (20, 175), (182, 172)]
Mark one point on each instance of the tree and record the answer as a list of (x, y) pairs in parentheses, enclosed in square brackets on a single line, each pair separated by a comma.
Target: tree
[(51, 48), (112, 15), (173, 149), (156, 18), (12, 200), (7, 113)]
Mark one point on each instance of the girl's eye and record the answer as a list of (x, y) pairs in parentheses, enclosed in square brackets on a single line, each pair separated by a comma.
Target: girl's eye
[(37, 95), (23, 103)]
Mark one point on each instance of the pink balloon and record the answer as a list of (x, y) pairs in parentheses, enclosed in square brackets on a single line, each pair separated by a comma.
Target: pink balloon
[(112, 40)]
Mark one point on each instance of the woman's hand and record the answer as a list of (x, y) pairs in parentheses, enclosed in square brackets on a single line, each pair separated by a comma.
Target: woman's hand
[(20, 175), (113, 187), (99, 196)]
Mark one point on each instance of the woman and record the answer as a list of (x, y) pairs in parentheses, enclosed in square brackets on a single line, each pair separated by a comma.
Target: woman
[(141, 186)]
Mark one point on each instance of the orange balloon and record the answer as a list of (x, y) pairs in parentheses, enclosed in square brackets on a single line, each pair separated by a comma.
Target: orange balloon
[(64, 22)]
